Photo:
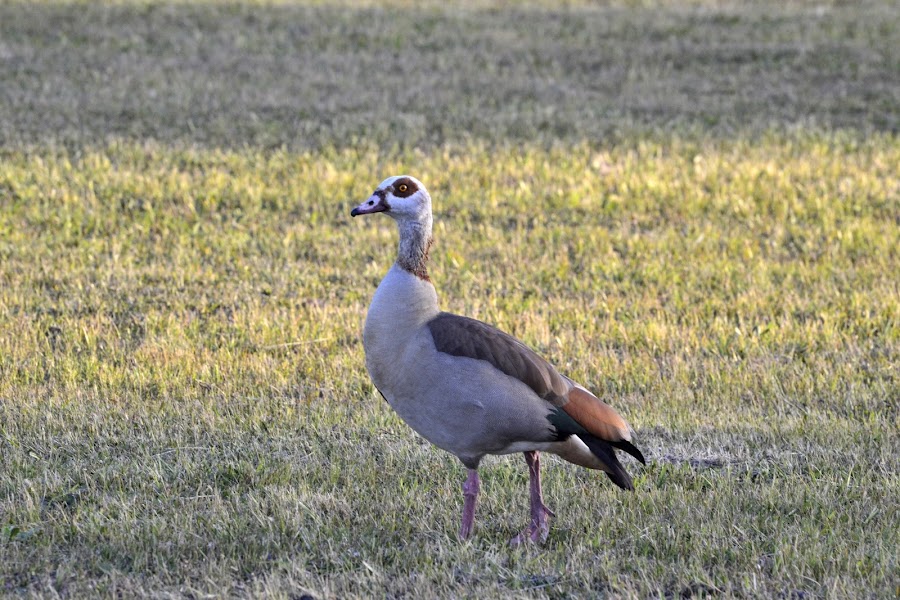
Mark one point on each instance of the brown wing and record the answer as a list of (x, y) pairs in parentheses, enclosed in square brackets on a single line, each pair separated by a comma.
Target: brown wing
[(596, 416), (588, 417), (576, 411), (462, 336)]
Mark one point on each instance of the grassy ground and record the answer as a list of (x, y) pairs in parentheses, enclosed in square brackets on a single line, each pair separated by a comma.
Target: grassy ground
[(700, 220), (241, 74)]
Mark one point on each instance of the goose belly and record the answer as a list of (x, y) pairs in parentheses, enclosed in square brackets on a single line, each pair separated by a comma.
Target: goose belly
[(445, 400)]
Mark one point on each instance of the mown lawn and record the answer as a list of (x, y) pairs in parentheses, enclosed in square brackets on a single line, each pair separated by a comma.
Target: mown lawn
[(694, 208)]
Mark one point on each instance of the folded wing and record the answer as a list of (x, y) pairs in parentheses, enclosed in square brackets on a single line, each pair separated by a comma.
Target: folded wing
[(575, 411)]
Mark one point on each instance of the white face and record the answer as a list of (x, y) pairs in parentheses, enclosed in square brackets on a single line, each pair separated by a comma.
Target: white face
[(400, 197)]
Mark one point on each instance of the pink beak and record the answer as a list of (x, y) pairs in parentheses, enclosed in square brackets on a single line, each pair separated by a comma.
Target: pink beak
[(375, 203)]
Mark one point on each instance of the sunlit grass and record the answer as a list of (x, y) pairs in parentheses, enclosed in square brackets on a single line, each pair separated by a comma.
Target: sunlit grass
[(184, 401), (692, 207)]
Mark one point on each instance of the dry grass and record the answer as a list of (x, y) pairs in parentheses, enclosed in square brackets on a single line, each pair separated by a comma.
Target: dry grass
[(183, 407), (263, 75)]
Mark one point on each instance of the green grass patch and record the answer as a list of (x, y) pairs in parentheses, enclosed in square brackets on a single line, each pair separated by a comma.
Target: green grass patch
[(185, 406), (691, 207), (321, 74)]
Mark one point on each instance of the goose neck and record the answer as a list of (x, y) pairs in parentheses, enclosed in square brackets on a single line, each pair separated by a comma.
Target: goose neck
[(415, 244)]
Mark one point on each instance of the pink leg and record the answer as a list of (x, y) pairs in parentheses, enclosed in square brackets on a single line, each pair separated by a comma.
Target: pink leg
[(470, 491), (539, 528)]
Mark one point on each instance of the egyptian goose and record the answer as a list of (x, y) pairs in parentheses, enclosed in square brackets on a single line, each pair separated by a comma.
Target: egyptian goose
[(470, 388)]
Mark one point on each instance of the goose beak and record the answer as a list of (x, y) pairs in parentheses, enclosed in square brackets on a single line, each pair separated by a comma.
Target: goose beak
[(375, 203)]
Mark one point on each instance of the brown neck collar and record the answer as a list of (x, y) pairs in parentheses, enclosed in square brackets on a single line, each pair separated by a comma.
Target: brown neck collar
[(415, 244)]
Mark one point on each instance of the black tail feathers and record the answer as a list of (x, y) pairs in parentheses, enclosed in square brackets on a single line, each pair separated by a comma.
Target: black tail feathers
[(630, 449), (605, 452)]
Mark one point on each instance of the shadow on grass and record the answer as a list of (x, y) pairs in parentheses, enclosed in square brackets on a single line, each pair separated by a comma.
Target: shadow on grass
[(239, 74)]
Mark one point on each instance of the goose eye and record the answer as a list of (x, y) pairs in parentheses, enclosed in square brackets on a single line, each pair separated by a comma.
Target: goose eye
[(403, 187)]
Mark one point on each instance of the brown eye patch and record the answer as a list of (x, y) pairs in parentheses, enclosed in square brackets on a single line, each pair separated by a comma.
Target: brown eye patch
[(404, 188)]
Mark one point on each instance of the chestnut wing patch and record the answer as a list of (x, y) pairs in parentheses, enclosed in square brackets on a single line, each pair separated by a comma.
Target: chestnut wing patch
[(596, 416), (462, 336)]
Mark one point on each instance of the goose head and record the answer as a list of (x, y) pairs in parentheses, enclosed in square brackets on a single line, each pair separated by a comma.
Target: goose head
[(402, 197)]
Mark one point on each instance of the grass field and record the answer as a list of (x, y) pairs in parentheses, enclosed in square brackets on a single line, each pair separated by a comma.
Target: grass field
[(694, 208)]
